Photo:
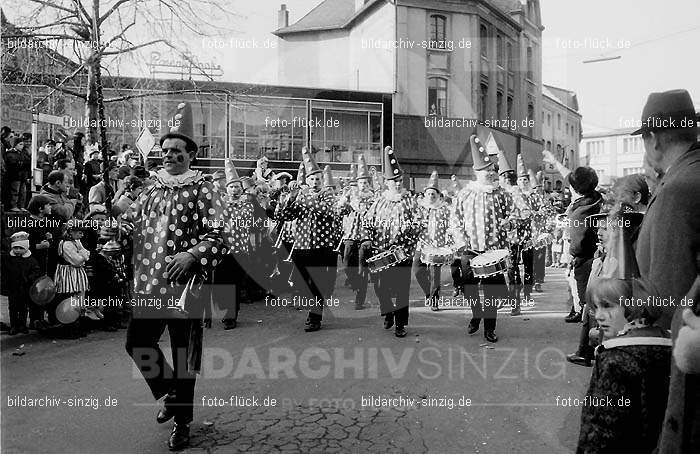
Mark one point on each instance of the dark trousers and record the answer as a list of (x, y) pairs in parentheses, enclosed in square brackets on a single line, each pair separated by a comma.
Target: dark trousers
[(355, 255), (456, 273), (317, 270), (18, 311), (228, 285), (18, 193), (142, 338), (36, 312), (495, 293), (394, 284), (528, 259), (582, 270), (538, 265), (428, 277)]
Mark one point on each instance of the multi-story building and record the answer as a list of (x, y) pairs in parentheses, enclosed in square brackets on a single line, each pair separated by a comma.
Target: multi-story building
[(613, 154), (453, 67), (561, 127)]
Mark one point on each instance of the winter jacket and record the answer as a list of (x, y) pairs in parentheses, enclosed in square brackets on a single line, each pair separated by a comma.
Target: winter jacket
[(61, 205), (626, 397), (583, 237)]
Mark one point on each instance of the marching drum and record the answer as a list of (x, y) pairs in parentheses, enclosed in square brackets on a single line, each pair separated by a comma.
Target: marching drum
[(386, 259), (491, 263), (436, 255)]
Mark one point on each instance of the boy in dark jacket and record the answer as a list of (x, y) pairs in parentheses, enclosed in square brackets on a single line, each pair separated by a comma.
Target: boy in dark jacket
[(20, 269)]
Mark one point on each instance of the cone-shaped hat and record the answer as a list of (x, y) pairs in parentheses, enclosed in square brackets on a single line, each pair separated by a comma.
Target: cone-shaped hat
[(231, 173), (183, 127), (301, 174), (503, 164), (310, 166), (362, 170), (392, 169), (353, 175), (480, 158), (433, 182), (328, 181), (522, 170)]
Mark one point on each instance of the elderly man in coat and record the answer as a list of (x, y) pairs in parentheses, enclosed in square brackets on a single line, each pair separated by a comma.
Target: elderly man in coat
[(669, 242)]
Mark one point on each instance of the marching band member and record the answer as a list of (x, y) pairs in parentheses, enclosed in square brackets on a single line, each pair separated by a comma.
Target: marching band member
[(357, 246), (394, 220), (230, 275), (179, 234), (456, 266), (531, 187), (480, 208), (518, 232), (315, 236), (436, 214), (285, 237)]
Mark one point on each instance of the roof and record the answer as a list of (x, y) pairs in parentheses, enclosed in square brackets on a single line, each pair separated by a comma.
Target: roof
[(508, 6), (340, 14), (564, 96), (611, 133), (328, 15)]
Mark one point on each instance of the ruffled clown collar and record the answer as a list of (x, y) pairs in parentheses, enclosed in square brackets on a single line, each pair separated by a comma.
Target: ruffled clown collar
[(164, 179)]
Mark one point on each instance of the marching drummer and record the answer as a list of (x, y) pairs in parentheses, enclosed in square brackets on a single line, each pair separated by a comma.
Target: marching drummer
[(435, 237), (394, 221), (518, 230), (480, 209)]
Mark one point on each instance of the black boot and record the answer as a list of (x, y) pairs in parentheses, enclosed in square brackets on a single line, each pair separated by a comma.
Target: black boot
[(389, 320), (166, 413), (473, 327), (490, 336), (573, 317), (179, 437)]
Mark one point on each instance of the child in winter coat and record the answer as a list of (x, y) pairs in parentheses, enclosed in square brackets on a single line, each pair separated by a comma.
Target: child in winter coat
[(624, 408), (19, 270)]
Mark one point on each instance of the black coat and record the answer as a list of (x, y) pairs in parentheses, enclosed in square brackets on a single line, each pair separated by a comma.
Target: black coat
[(583, 237)]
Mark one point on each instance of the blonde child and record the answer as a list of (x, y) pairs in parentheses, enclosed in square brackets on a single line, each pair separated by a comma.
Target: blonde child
[(626, 400)]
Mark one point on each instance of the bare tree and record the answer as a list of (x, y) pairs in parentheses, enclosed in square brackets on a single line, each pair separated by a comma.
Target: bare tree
[(98, 33)]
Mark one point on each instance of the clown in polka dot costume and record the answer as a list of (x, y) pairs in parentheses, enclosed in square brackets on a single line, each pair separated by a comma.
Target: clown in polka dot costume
[(180, 233), (480, 212), (177, 214)]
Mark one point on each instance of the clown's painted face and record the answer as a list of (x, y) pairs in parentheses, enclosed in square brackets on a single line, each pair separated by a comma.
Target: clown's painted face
[(176, 158), (314, 181)]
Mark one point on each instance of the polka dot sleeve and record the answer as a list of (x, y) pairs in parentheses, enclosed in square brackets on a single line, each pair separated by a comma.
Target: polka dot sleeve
[(211, 218)]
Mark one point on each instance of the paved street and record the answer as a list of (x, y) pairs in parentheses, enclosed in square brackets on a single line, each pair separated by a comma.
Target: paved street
[(269, 387)]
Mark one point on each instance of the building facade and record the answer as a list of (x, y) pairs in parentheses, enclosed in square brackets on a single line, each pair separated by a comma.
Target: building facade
[(613, 154), (561, 128), (455, 68), (233, 121)]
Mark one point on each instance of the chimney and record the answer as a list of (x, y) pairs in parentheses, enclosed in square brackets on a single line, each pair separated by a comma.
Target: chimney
[(359, 4), (282, 17)]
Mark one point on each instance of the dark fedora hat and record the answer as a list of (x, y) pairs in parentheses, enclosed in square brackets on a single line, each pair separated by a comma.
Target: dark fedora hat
[(672, 109)]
